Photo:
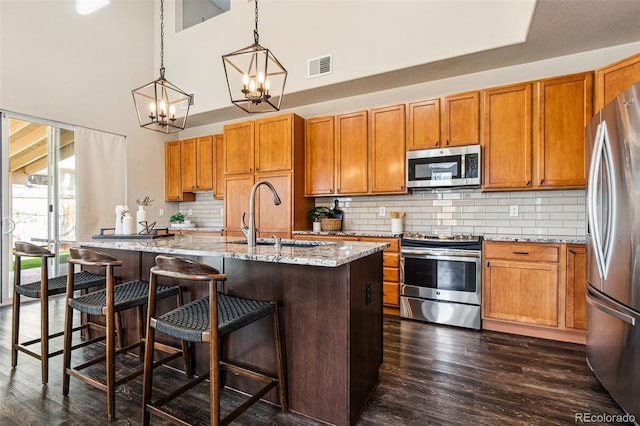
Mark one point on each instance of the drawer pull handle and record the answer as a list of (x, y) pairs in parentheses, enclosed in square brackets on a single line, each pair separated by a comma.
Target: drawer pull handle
[(521, 252)]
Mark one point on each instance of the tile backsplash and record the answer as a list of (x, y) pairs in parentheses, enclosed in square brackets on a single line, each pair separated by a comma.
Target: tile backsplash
[(557, 213), (205, 211)]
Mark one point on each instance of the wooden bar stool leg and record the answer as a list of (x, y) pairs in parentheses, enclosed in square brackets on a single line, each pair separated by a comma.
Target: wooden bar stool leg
[(119, 330), (110, 322), (282, 381), (14, 328), (68, 326), (44, 336), (147, 378)]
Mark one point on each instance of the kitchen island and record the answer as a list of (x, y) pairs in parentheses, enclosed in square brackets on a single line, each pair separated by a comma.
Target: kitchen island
[(330, 296)]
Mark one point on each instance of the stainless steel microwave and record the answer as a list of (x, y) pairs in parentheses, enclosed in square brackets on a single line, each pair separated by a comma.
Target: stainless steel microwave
[(446, 167)]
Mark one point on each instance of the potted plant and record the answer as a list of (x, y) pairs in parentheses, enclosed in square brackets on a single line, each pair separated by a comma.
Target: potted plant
[(317, 214), (141, 214), (177, 218)]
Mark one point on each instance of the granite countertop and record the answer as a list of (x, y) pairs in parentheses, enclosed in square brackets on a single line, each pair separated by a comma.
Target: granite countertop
[(316, 253), (374, 234), (556, 239)]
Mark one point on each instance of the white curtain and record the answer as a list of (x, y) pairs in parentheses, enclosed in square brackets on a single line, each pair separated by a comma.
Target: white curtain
[(101, 178)]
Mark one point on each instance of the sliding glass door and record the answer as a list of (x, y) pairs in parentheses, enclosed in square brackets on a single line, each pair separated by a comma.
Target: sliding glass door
[(38, 192)]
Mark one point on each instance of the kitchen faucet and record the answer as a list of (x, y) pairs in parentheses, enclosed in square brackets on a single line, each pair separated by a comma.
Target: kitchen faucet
[(250, 231)]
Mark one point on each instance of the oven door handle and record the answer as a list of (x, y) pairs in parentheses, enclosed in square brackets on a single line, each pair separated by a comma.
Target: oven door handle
[(465, 257)]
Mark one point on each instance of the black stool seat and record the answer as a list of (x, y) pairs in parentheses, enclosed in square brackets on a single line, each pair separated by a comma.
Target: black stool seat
[(58, 285), (190, 321), (125, 296)]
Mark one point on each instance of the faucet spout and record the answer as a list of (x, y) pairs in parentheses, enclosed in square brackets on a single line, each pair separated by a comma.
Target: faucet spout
[(250, 231)]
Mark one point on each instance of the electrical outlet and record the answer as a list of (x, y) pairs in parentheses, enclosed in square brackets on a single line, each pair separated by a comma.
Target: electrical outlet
[(161, 212), (513, 211), (190, 212), (382, 211)]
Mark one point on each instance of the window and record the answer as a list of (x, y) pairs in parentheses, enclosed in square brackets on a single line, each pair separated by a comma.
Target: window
[(194, 12)]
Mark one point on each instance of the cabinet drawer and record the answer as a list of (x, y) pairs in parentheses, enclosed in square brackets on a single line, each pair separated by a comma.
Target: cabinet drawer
[(395, 243), (528, 252), (391, 260), (390, 294), (391, 274)]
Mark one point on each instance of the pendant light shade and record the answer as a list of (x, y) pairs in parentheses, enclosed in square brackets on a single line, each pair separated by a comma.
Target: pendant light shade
[(255, 77), (162, 106)]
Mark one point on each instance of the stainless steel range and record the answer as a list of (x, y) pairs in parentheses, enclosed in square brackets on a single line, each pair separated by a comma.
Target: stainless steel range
[(440, 278)]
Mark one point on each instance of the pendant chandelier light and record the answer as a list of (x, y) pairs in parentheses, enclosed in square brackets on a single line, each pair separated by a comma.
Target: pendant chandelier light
[(255, 77), (157, 103)]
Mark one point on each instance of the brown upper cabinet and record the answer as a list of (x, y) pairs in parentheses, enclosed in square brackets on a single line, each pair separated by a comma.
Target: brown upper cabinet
[(387, 150), (533, 133), (218, 149), (506, 137), (197, 164), (461, 119), (457, 123), (356, 153), (275, 147), (424, 125), (614, 79), (238, 151), (173, 174), (562, 109), (352, 152), (262, 145), (319, 153)]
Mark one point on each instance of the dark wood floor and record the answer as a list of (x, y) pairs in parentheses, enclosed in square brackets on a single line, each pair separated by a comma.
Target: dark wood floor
[(432, 375)]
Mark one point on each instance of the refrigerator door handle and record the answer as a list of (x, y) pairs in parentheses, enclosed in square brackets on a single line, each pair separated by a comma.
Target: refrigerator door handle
[(592, 203), (609, 306), (609, 167)]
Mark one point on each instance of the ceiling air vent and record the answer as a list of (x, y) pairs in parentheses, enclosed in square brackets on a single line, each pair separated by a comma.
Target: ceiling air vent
[(320, 66)]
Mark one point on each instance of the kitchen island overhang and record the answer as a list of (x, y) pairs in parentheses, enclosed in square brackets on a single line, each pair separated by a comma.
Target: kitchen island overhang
[(330, 298)]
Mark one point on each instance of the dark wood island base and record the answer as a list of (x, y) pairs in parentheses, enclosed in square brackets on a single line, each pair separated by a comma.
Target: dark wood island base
[(331, 319)]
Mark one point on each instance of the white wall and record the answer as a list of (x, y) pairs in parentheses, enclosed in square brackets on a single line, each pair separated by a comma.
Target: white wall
[(570, 64), (80, 70), (297, 31)]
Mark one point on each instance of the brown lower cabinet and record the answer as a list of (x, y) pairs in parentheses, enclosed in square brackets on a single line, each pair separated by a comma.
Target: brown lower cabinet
[(534, 289), (390, 266)]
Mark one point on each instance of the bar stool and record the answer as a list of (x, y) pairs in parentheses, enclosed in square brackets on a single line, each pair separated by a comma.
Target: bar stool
[(42, 289), (207, 320), (108, 303)]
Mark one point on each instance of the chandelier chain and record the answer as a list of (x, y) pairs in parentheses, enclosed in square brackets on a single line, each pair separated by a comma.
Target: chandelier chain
[(256, 36), (161, 34)]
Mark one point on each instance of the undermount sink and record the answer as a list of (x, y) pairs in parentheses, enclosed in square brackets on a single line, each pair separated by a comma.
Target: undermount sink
[(286, 243)]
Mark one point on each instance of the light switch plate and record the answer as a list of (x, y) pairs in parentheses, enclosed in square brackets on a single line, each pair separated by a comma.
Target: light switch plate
[(382, 211), (513, 211)]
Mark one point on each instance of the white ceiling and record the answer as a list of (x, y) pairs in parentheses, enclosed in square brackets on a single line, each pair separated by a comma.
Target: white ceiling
[(558, 28)]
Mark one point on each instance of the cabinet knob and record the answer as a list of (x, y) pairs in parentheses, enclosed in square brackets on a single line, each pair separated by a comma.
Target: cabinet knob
[(250, 169), (447, 142), (437, 143)]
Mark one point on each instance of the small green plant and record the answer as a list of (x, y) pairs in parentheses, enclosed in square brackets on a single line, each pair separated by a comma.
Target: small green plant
[(320, 212), (178, 217), (123, 213)]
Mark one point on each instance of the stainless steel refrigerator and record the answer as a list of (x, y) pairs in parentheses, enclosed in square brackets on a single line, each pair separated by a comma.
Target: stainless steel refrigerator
[(613, 249)]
